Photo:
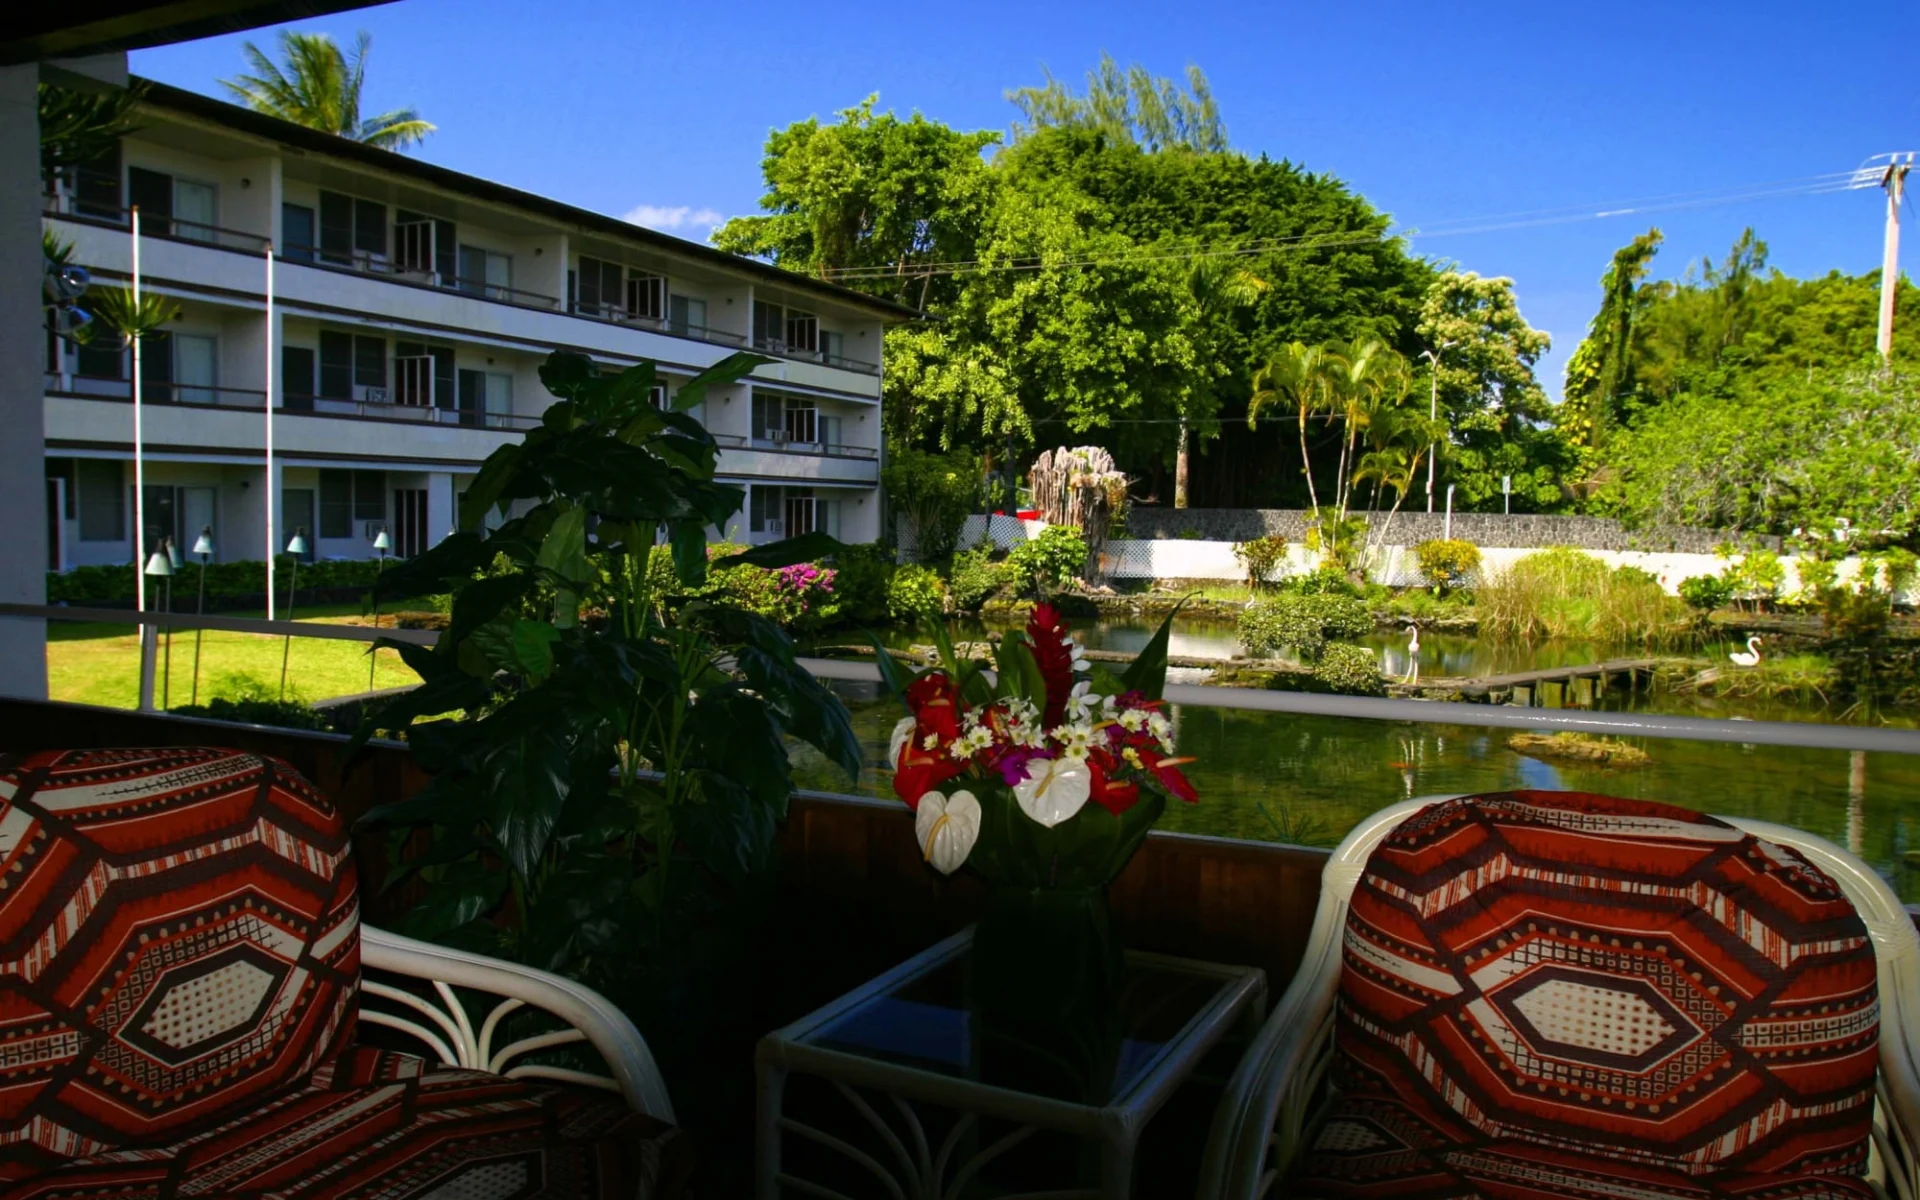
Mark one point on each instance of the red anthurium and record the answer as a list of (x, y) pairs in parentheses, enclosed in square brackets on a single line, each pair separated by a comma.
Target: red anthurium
[(936, 706), (921, 771), (1167, 771), (1115, 797)]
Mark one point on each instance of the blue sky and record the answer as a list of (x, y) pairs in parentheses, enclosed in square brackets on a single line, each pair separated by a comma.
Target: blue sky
[(1436, 112)]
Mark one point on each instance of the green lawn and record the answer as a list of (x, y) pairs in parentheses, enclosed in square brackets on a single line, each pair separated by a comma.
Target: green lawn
[(100, 664)]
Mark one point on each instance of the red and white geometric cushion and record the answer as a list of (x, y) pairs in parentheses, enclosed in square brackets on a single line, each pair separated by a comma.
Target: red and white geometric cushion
[(1539, 986), (381, 1126), (179, 941)]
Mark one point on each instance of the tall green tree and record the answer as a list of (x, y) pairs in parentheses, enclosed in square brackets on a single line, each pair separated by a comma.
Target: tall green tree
[(874, 201), (1300, 377), (1489, 394), (1602, 371), (319, 87), (1130, 105)]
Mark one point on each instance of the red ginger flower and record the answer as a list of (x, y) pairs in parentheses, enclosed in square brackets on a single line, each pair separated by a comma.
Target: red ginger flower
[(1047, 634)]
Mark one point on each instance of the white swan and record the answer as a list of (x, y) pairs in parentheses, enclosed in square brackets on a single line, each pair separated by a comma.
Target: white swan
[(1749, 657), (1413, 652)]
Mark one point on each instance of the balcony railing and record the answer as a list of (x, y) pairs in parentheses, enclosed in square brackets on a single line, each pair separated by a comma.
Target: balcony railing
[(109, 387), (65, 201), (617, 315), (779, 346), (386, 410), (788, 446), (368, 263)]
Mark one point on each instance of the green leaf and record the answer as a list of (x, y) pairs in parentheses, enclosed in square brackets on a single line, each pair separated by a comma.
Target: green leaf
[(689, 542), (533, 646), (784, 553), (564, 550), (1020, 672), (453, 560), (1147, 673), (728, 831), (519, 789), (450, 692), (483, 602), (735, 366), (583, 907), (458, 893), (566, 372), (896, 677), (485, 490)]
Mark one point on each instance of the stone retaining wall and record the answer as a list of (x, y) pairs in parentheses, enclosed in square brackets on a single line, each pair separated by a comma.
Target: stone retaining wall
[(1485, 530)]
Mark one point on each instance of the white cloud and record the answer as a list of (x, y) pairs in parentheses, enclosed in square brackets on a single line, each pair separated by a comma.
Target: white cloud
[(675, 217)]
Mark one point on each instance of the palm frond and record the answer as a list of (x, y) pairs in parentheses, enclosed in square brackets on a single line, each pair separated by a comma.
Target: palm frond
[(116, 309), (394, 130)]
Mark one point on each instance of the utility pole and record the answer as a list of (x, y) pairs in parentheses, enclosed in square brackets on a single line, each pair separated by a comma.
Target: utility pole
[(1433, 410), (1894, 180), (1889, 173)]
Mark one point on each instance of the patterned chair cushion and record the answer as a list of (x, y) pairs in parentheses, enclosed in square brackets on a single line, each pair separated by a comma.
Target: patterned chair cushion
[(1541, 984), (179, 940), (375, 1124)]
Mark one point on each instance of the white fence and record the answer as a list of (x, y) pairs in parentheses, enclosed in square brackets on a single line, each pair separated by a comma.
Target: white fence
[(1395, 566)]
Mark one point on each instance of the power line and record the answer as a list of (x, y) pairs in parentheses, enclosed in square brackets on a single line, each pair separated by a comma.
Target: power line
[(1674, 201)]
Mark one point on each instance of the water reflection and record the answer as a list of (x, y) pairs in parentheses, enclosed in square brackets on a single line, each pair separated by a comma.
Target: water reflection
[(1263, 774)]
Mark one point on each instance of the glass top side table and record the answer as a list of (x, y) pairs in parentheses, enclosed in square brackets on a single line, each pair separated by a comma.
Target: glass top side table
[(904, 1048)]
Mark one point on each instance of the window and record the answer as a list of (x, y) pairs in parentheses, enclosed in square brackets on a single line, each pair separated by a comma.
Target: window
[(685, 315), (485, 273), (296, 516), (769, 418), (412, 375), (486, 397), (646, 296), (350, 500), (413, 243), (103, 357), (833, 346), (296, 378), (296, 233), (801, 420), (785, 419), (195, 369), (156, 368), (352, 230), (798, 511), (803, 331), (193, 211), (769, 326), (598, 288), (103, 506), (353, 366), (180, 207), (96, 186), (765, 512)]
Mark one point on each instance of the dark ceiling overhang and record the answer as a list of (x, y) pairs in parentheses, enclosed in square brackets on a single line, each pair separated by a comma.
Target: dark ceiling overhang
[(41, 29)]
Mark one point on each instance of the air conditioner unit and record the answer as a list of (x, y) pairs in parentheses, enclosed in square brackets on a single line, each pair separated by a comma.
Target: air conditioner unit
[(780, 435), (371, 395), (372, 529), (774, 526)]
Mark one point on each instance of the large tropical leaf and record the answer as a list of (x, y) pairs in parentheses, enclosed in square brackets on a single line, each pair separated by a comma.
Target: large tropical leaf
[(737, 365), (786, 552), (1147, 673)]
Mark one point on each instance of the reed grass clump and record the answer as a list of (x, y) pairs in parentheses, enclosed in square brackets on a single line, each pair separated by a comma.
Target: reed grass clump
[(1563, 593)]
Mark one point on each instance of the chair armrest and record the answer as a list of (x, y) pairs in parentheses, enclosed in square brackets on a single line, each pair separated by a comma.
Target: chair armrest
[(1269, 1100), (451, 1035)]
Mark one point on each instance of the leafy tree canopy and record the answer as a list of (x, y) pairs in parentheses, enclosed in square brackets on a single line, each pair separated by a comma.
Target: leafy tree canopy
[(320, 88)]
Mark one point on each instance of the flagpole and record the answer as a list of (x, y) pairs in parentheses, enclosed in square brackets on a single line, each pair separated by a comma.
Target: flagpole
[(139, 441), (269, 488)]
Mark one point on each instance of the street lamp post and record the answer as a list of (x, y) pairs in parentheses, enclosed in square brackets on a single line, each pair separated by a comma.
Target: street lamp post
[(1433, 410), (160, 566), (296, 547), (202, 546), (382, 543)]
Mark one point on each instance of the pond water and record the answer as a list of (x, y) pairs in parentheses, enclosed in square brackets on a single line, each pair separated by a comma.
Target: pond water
[(1280, 777)]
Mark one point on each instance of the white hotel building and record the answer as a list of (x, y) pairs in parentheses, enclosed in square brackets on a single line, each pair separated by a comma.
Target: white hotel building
[(412, 308)]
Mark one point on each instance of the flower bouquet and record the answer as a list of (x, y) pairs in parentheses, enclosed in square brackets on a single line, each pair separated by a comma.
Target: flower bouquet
[(1043, 776)]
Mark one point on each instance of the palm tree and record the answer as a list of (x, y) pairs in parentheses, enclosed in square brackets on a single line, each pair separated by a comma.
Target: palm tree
[(1369, 377), (320, 88), (1301, 375), (1402, 438)]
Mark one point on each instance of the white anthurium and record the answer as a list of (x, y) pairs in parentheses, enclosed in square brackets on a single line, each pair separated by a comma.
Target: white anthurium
[(902, 734), (947, 827), (1054, 789)]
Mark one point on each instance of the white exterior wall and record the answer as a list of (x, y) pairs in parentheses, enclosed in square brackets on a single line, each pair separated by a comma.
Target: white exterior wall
[(222, 292)]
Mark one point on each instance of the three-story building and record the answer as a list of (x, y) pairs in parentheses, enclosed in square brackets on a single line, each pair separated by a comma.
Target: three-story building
[(412, 308)]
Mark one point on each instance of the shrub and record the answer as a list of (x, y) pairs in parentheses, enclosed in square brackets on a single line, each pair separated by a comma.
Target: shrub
[(1050, 560), (976, 578), (1349, 669), (1757, 577), (1322, 581), (1707, 592), (935, 493), (1259, 557), (1562, 592), (1338, 540), (916, 593), (284, 714), (865, 573), (1306, 623), (1817, 577), (226, 582), (1447, 563)]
